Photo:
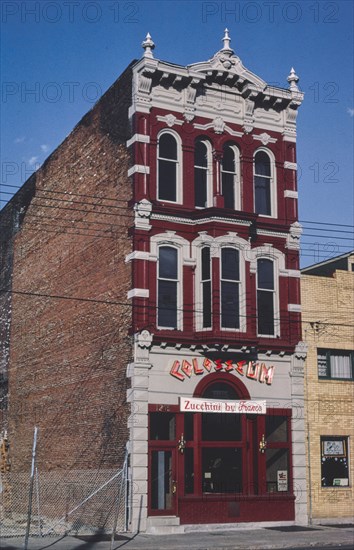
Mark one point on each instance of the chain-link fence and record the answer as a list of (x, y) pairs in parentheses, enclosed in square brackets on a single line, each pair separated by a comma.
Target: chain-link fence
[(65, 502)]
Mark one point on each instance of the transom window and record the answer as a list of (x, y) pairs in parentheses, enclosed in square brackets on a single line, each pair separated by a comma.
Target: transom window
[(230, 292), (335, 364), (265, 297), (168, 168), (167, 287), (262, 184)]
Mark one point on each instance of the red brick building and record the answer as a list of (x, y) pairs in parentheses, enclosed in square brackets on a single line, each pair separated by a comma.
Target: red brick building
[(181, 282)]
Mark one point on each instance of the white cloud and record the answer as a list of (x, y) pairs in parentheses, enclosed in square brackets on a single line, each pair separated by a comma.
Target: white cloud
[(19, 140), (45, 148), (32, 161), (350, 111)]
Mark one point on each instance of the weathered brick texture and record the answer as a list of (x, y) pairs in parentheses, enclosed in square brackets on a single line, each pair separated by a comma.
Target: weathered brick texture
[(70, 317)]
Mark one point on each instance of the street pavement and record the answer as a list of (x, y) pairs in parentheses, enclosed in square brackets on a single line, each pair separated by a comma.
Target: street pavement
[(291, 538)]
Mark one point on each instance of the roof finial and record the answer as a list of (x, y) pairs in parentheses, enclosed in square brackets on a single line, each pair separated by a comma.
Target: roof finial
[(293, 79), (148, 46), (226, 40)]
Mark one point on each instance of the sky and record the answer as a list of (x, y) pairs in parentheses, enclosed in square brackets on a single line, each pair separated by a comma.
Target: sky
[(58, 57)]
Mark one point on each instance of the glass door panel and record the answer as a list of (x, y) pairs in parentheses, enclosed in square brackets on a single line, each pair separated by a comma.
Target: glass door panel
[(163, 486)]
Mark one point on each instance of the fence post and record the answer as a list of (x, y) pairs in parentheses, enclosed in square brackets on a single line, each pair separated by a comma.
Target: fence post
[(31, 487), (119, 499)]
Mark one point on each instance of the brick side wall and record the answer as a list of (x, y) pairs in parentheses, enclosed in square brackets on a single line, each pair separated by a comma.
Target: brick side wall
[(70, 317), (329, 404)]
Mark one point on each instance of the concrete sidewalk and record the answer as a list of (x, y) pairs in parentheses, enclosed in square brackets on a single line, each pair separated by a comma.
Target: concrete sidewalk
[(319, 536)]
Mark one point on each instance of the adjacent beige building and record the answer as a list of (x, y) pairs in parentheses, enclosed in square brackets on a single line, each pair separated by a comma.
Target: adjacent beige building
[(327, 294)]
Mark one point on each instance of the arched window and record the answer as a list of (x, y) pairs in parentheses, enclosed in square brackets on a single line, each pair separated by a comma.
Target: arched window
[(229, 184), (265, 297), (263, 184), (167, 290), (202, 179), (168, 168), (230, 288), (206, 287)]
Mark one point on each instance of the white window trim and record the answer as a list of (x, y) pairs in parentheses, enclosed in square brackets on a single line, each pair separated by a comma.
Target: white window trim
[(209, 182), (273, 184), (179, 191), (267, 252), (169, 238), (237, 175)]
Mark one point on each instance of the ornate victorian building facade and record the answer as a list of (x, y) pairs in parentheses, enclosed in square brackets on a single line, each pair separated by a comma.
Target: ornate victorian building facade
[(215, 293), (192, 299)]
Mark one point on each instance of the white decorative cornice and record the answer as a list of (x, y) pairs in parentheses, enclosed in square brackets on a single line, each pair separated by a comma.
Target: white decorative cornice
[(290, 273), (140, 138), (190, 221), (290, 165), (288, 194), (219, 127), (293, 238), (138, 293), (139, 169), (143, 211), (264, 138), (269, 233), (148, 46)]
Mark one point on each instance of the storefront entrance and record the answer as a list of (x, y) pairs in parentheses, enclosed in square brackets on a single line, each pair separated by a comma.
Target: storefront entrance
[(218, 467)]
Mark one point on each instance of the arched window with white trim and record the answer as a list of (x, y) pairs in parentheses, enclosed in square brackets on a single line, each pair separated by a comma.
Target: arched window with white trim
[(266, 294), (167, 287), (230, 288), (168, 157), (264, 184), (229, 177), (202, 174)]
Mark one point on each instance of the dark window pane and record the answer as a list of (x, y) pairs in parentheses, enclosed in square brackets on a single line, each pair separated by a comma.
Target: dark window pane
[(230, 305), (262, 164), (167, 180), (205, 263), (262, 196), (276, 428), (335, 461), (167, 147), (265, 274), (167, 262), (230, 264), (188, 471), (222, 470), (228, 190), (207, 304), (161, 480), (188, 426), (265, 309), (200, 154), (162, 426), (228, 160), (221, 427), (167, 304), (200, 187)]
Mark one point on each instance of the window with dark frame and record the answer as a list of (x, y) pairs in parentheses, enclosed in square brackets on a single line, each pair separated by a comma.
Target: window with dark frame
[(334, 461), (335, 364), (228, 176), (265, 297), (200, 174), (167, 167), (262, 184), (206, 286), (167, 287), (230, 288)]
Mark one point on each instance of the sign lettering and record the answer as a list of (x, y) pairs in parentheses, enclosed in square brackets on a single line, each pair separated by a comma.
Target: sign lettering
[(250, 369), (196, 404)]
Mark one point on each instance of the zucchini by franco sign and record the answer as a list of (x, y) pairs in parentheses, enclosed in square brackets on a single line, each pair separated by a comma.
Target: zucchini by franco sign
[(196, 404), (198, 366)]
